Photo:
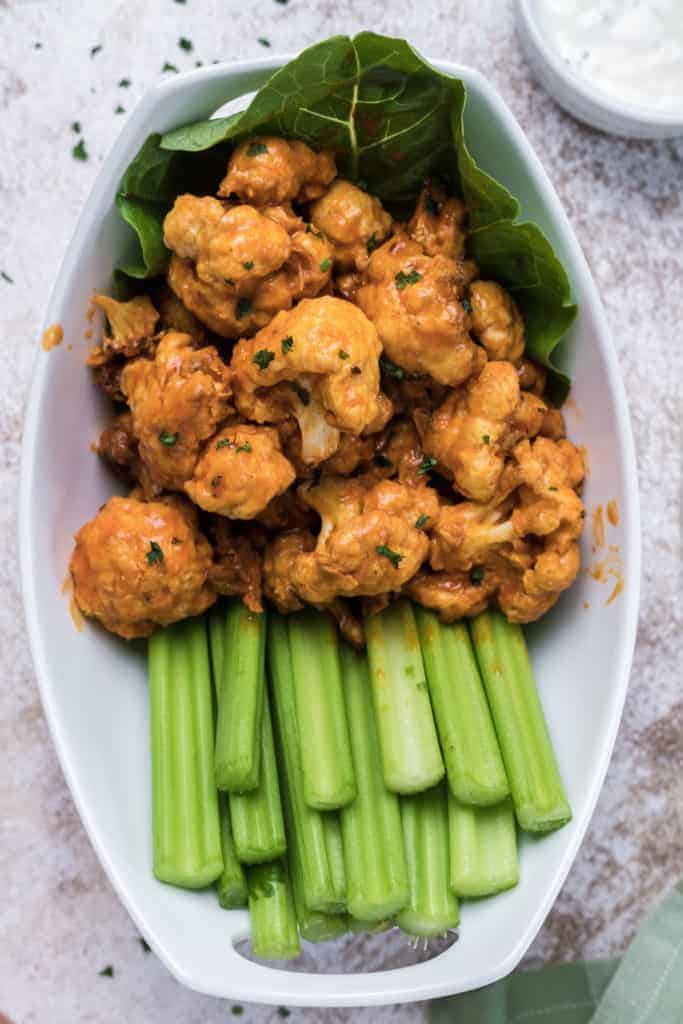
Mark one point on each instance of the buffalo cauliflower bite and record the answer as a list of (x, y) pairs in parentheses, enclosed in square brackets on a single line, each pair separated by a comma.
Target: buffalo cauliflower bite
[(215, 304), (236, 570), (415, 303), (353, 221), (177, 401), (318, 363), (496, 321), (240, 471), (466, 434), (266, 170), (369, 543), (174, 316), (131, 326), (139, 565), (438, 223), (453, 595)]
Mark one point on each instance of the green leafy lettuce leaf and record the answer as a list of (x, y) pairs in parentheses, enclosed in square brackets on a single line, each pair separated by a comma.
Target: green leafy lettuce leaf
[(392, 120)]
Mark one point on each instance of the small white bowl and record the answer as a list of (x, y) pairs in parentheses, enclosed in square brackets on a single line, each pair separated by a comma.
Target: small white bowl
[(583, 98), (93, 685)]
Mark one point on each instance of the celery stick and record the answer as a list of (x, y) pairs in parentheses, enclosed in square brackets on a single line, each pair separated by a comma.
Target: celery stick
[(274, 934), (216, 617), (240, 700), (358, 927), (186, 827), (232, 884), (304, 826), (376, 872), (411, 759), (433, 908), (474, 766), (483, 847), (314, 926), (537, 791), (335, 858), (257, 824), (325, 748)]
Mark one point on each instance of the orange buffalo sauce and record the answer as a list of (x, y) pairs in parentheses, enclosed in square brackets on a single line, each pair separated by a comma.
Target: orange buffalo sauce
[(612, 512), (52, 337)]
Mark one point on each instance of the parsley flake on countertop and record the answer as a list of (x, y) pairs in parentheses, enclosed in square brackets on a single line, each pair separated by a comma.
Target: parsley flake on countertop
[(76, 127), (119, 109), (94, 50), (146, 948), (237, 1010), (167, 439), (5, 276), (107, 972), (256, 149), (124, 83), (402, 279), (282, 1010), (37, 46), (185, 44), (169, 67), (243, 308), (155, 554), (393, 556), (286, 344), (263, 358), (263, 41), (79, 152), (427, 464)]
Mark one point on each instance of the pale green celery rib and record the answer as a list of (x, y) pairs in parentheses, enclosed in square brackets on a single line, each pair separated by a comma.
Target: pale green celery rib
[(376, 872), (185, 818), (335, 858), (433, 907), (231, 887), (257, 823), (411, 759), (474, 766), (483, 847), (304, 826), (538, 794), (325, 750), (314, 926), (240, 700), (274, 932)]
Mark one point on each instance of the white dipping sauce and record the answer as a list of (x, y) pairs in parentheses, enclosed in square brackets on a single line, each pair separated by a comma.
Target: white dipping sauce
[(631, 49)]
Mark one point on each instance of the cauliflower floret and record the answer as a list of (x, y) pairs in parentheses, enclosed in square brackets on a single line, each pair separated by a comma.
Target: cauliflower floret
[(438, 223), (452, 594), (548, 472), (496, 321), (215, 303), (240, 470), (465, 535), (131, 326), (467, 433), (354, 221), (174, 316), (236, 570), (138, 565), (266, 170), (321, 360), (415, 303), (177, 401)]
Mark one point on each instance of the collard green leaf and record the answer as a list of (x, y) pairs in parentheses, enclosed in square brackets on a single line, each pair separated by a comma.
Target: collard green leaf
[(392, 120)]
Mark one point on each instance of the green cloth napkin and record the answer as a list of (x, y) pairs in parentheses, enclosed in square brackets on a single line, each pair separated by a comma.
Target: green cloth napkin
[(644, 987)]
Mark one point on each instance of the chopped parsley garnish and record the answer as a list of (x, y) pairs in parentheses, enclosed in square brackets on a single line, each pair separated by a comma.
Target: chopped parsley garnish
[(372, 242), (402, 279), (393, 556), (169, 67), (155, 554), (342, 354), (263, 41), (263, 358), (310, 230), (185, 44), (107, 972), (477, 575), (146, 948), (94, 50), (325, 265), (229, 281), (466, 305), (552, 488), (180, 1), (282, 1010), (246, 447), (302, 393), (5, 276), (427, 464), (356, 370), (76, 127), (421, 522), (486, 438), (431, 205), (168, 439), (243, 308), (391, 369), (79, 152), (237, 1010), (124, 83), (224, 442), (286, 344), (248, 264), (119, 109), (256, 148), (383, 461), (216, 481)]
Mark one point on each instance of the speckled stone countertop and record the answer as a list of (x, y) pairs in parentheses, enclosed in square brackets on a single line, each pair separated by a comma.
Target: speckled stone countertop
[(60, 922)]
